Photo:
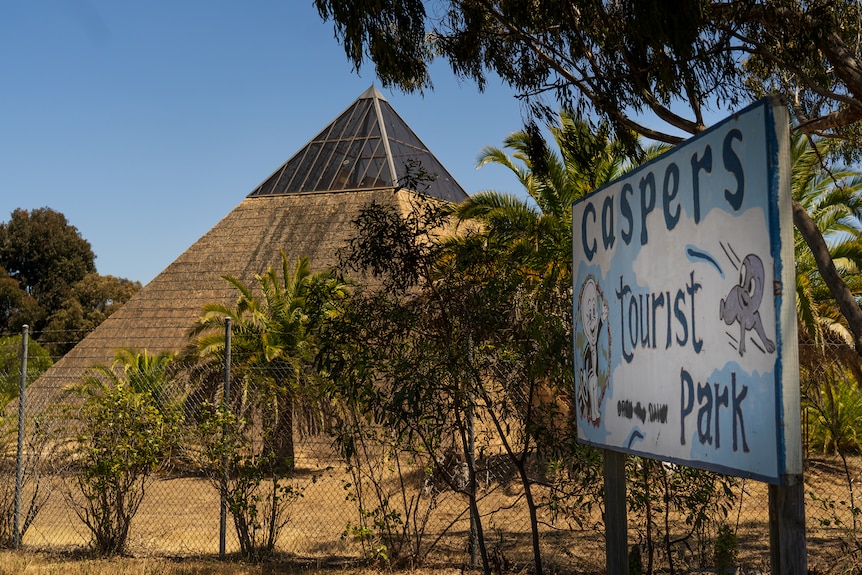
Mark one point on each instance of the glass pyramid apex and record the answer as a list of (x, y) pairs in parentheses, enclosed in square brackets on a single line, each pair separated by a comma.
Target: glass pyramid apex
[(367, 147)]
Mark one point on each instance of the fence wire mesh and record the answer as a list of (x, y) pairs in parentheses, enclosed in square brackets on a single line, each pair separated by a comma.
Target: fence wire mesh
[(348, 489)]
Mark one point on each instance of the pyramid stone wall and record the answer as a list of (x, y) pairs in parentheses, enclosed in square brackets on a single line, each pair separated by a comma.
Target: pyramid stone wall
[(245, 243)]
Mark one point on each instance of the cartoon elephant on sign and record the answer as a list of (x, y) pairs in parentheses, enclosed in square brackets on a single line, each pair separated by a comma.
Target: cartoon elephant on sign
[(743, 303)]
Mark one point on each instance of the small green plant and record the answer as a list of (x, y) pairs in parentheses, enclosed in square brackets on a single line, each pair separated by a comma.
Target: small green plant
[(726, 549), (833, 512), (372, 530), (658, 491), (257, 501), (368, 538), (258, 492), (835, 415)]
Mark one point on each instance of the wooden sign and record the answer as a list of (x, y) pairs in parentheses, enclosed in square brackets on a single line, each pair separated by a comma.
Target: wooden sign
[(684, 310)]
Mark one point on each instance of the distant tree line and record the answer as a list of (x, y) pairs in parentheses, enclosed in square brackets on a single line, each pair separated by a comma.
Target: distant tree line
[(48, 280)]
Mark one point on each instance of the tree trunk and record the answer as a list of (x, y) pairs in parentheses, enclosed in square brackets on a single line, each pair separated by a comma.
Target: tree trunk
[(277, 422), (283, 449), (521, 466)]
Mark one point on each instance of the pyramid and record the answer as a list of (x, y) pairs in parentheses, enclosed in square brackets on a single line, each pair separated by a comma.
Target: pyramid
[(306, 208)]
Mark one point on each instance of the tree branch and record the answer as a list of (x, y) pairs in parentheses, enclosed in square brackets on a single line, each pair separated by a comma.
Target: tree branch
[(553, 61), (845, 64), (836, 119)]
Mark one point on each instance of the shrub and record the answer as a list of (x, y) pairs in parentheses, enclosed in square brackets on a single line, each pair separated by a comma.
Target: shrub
[(36, 439), (659, 491), (725, 552), (257, 491), (396, 487), (35, 490), (122, 439)]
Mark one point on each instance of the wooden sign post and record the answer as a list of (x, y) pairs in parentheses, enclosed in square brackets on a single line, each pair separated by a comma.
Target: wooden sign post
[(616, 523)]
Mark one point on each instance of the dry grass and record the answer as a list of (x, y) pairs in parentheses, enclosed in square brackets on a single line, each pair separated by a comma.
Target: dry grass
[(28, 562), (180, 519)]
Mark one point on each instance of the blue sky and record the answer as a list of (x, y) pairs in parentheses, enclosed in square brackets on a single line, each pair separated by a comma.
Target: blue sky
[(147, 122)]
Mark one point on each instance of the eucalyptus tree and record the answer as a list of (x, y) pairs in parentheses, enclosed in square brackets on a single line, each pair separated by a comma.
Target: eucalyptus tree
[(619, 62), (401, 357), (475, 321), (274, 343)]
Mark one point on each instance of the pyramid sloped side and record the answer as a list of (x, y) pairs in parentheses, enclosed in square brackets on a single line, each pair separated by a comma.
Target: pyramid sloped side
[(243, 244), (348, 154), (405, 147)]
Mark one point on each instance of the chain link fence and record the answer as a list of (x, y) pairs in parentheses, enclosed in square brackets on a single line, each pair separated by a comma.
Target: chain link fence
[(213, 477)]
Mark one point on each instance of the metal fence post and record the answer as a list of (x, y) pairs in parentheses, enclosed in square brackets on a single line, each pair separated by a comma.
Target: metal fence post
[(222, 546), (471, 440), (19, 462)]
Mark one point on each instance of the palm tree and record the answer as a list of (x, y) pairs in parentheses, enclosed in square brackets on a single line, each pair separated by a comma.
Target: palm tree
[(538, 230), (144, 374), (831, 198), (274, 343), (833, 400), (149, 379)]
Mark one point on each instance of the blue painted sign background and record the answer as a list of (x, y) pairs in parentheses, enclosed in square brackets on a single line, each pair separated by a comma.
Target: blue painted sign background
[(684, 316)]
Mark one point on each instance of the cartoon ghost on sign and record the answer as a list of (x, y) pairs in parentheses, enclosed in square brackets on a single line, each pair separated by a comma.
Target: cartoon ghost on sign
[(742, 304)]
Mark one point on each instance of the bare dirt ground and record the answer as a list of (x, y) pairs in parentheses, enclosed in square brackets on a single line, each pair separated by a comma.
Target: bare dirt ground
[(178, 525)]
